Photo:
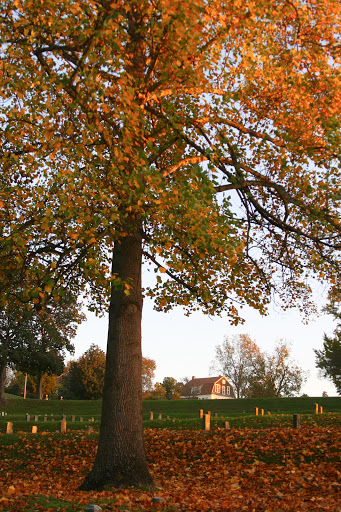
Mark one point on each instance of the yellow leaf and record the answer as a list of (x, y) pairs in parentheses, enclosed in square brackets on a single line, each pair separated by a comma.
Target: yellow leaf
[(10, 490)]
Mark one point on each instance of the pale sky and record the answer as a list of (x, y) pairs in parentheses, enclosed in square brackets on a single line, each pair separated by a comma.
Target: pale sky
[(184, 346)]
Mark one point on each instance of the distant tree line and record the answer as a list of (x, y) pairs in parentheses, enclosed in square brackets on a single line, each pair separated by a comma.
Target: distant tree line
[(81, 379)]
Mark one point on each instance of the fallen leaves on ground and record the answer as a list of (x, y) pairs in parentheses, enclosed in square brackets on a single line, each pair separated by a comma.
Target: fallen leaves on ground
[(235, 470)]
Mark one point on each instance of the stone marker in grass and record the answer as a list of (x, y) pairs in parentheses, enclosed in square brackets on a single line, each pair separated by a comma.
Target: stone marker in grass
[(296, 420), (93, 508), (207, 422)]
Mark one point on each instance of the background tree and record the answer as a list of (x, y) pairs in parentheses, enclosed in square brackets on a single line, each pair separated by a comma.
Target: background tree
[(157, 393), (34, 339), (238, 358), (276, 374), (172, 388), (136, 116), (84, 378), (281, 376), (148, 372), (328, 359)]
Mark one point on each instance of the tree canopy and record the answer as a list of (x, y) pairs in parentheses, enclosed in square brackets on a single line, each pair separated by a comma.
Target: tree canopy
[(202, 136), (128, 100)]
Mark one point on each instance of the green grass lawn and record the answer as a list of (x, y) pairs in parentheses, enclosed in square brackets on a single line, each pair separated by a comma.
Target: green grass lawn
[(176, 414), (185, 408)]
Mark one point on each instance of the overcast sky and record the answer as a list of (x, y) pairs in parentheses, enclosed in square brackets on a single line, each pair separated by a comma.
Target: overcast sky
[(184, 346)]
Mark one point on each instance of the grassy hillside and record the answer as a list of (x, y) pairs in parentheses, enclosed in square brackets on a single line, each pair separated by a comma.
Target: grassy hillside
[(177, 414), (242, 406), (180, 408)]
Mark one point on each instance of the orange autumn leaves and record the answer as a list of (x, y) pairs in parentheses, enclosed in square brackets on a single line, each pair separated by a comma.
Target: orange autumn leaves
[(252, 470), (128, 99)]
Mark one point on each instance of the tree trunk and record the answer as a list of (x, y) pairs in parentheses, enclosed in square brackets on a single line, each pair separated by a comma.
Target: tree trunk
[(40, 386), (3, 367), (121, 459)]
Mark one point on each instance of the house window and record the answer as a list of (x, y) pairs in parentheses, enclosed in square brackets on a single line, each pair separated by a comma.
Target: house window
[(217, 388), (223, 390), (224, 382), (227, 390)]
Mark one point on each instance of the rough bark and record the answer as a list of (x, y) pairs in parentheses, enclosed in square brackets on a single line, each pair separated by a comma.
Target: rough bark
[(2, 381), (121, 459)]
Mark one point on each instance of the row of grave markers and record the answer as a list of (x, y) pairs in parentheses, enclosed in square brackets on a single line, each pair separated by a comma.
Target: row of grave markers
[(205, 417), (45, 418), (318, 410), (9, 428)]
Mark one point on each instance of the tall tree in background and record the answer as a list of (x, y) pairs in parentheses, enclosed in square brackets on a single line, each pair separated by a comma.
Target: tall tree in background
[(127, 119), (277, 374), (238, 358), (328, 359), (172, 388), (148, 372), (83, 379)]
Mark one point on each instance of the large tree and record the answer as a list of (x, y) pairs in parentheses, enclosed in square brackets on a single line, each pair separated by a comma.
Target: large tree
[(238, 358), (277, 374), (202, 136)]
